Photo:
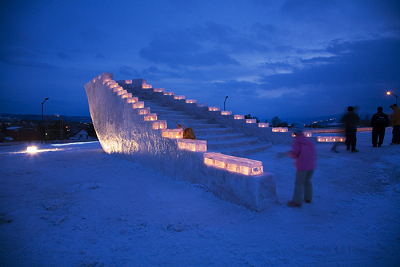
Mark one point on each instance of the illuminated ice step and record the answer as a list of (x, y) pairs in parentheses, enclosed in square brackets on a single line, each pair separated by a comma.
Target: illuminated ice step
[(117, 89), (279, 129), (161, 124), (251, 120), (146, 86), (179, 97), (143, 111), (169, 93), (172, 133), (126, 95), (139, 104), (226, 112), (192, 145), (150, 117), (213, 108), (132, 99), (122, 92), (331, 139), (233, 164), (306, 134), (159, 90), (238, 117), (263, 124), (191, 101)]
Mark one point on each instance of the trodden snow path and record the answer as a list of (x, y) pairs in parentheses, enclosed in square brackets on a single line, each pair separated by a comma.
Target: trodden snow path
[(74, 205)]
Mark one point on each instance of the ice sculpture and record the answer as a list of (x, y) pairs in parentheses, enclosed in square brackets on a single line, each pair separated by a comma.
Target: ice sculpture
[(125, 126)]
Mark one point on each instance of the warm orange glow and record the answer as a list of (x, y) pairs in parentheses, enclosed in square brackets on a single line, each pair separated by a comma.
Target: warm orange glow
[(121, 92), (233, 164), (132, 100), (263, 124), (159, 90), (280, 129), (213, 108), (172, 133), (388, 93), (226, 112), (150, 117), (126, 95), (162, 124), (139, 104), (251, 121), (128, 81), (169, 93), (330, 139), (238, 117), (192, 145), (179, 97), (191, 101), (143, 111)]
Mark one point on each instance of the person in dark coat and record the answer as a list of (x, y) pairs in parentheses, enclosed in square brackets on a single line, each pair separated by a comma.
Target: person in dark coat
[(351, 120), (379, 122)]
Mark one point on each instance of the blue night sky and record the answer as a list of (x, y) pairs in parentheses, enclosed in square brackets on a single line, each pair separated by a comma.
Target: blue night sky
[(292, 59)]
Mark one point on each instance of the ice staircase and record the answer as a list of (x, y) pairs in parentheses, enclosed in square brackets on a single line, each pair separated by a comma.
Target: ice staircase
[(138, 122), (219, 138)]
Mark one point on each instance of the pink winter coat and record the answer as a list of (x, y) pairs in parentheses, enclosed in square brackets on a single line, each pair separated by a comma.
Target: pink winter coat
[(303, 150)]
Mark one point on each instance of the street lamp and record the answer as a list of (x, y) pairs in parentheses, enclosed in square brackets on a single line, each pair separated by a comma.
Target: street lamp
[(390, 93), (42, 106), (225, 101)]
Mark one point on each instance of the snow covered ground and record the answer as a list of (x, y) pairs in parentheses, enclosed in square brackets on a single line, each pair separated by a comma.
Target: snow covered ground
[(74, 205)]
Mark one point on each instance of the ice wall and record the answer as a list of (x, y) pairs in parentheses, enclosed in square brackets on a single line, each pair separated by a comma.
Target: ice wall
[(124, 131)]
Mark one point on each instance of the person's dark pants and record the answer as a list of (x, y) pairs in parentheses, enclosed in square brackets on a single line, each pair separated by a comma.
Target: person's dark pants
[(351, 140), (396, 134), (378, 131)]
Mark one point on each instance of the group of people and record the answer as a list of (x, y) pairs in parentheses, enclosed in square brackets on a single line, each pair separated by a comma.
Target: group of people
[(304, 151)]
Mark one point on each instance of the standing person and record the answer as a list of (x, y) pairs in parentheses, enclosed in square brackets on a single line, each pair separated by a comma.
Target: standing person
[(379, 122), (395, 124), (304, 152), (351, 120)]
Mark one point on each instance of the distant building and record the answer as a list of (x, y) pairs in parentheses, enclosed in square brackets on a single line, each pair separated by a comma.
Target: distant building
[(82, 135)]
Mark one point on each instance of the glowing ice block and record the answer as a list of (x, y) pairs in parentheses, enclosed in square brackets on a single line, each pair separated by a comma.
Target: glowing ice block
[(179, 97), (213, 108), (330, 139), (139, 104), (150, 117), (161, 124), (172, 133), (279, 129), (144, 111), (192, 145), (238, 117), (263, 124), (169, 93), (191, 101), (126, 95), (251, 120), (226, 112), (132, 99), (128, 81), (233, 164), (159, 90)]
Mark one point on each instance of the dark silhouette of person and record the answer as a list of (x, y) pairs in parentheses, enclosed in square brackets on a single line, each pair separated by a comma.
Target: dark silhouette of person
[(379, 122), (351, 121)]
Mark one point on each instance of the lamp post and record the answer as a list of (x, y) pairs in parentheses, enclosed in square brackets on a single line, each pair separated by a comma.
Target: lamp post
[(42, 106), (225, 101), (390, 93)]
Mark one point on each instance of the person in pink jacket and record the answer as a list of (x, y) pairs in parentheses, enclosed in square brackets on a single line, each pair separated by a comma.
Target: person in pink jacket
[(304, 152)]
